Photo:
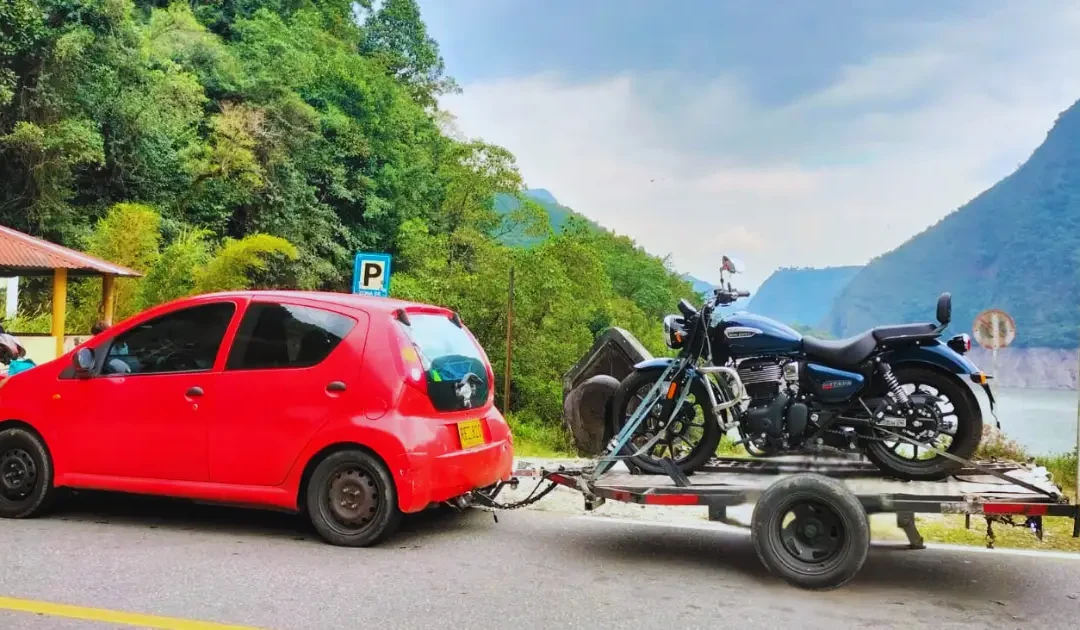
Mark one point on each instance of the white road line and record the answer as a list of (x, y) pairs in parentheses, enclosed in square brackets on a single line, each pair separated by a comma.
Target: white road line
[(714, 527)]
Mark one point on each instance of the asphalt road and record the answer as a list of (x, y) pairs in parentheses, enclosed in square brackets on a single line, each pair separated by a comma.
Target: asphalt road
[(447, 570)]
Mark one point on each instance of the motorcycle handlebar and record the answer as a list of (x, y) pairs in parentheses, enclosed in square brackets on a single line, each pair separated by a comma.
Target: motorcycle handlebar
[(727, 297)]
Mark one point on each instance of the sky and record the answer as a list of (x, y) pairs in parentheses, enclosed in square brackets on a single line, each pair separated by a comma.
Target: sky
[(785, 133)]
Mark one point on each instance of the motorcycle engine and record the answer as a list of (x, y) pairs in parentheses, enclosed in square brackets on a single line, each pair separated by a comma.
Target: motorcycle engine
[(772, 385), (762, 379)]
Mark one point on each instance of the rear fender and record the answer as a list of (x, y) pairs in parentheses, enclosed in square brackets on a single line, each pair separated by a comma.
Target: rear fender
[(935, 354), (940, 357)]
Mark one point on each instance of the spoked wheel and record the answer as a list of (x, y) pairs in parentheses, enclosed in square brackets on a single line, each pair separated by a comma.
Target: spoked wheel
[(691, 439), (25, 474), (811, 531), (946, 417), (351, 499)]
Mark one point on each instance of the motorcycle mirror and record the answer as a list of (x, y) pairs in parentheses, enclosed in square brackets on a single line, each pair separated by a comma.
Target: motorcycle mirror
[(732, 265)]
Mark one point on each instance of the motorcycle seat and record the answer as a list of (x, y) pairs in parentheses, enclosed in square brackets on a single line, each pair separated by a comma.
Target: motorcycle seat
[(841, 352), (889, 335)]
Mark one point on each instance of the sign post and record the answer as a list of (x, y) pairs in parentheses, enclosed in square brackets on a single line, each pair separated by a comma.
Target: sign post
[(371, 274), (993, 329), (509, 342), (1076, 521)]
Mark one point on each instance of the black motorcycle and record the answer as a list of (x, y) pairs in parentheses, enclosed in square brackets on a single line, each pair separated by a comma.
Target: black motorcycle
[(896, 393)]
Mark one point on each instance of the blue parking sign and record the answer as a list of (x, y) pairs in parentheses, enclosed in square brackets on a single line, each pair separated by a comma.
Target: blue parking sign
[(371, 274)]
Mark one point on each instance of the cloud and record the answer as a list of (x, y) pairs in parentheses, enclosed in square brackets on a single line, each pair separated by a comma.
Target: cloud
[(832, 176)]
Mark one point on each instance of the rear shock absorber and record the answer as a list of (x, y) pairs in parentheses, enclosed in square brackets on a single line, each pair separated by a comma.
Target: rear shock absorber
[(898, 394)]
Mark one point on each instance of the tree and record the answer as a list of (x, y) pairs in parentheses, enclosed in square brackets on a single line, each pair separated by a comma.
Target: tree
[(396, 36), (230, 144)]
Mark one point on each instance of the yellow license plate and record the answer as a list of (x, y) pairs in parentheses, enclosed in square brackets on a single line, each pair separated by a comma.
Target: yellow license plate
[(471, 433)]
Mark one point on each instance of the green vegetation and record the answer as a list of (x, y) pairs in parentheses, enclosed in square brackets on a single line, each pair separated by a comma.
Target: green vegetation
[(218, 144), (800, 296), (533, 437), (1015, 246)]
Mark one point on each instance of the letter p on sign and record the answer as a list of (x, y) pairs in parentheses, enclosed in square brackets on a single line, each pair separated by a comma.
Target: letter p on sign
[(371, 274)]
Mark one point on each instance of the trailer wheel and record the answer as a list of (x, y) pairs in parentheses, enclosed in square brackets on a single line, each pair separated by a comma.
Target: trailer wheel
[(811, 531)]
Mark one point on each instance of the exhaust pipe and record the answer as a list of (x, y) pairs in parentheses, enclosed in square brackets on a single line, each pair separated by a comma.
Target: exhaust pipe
[(462, 502)]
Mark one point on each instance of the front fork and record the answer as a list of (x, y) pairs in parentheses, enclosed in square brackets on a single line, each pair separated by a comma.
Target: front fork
[(673, 387)]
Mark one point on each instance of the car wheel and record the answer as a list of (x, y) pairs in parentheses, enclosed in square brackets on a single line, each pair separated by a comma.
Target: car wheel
[(351, 499), (26, 474)]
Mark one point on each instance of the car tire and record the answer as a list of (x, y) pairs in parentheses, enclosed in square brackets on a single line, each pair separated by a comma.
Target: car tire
[(351, 499), (26, 474)]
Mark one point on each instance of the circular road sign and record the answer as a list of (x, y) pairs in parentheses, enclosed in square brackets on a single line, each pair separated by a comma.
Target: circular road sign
[(994, 329)]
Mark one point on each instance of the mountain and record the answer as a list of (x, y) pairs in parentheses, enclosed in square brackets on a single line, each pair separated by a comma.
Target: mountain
[(542, 195), (700, 285), (801, 295), (1015, 247), (557, 214)]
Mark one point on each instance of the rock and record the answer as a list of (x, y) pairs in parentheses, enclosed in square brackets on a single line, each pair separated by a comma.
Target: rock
[(585, 413)]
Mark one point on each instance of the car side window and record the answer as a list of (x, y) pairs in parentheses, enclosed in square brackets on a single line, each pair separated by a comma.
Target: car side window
[(274, 336), (187, 340)]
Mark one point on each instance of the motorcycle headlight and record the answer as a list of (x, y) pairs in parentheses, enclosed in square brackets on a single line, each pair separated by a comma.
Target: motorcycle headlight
[(674, 331)]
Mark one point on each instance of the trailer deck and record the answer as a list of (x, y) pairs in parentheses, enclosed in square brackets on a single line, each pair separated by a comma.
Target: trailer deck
[(732, 481), (810, 522)]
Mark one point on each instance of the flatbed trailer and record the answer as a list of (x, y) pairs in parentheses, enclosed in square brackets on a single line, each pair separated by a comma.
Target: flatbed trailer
[(829, 497)]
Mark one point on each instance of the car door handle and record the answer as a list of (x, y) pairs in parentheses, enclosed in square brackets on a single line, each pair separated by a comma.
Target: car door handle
[(336, 386), (194, 392)]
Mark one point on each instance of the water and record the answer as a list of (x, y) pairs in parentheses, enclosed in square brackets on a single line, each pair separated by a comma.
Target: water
[(1041, 420)]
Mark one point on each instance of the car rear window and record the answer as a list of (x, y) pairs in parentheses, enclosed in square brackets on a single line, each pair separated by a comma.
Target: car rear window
[(457, 376)]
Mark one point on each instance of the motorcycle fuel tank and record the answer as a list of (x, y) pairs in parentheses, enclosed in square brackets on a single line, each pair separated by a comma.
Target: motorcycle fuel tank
[(830, 384), (745, 334)]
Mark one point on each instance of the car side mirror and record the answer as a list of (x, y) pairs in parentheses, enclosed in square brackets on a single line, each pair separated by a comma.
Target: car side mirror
[(83, 360), (944, 309)]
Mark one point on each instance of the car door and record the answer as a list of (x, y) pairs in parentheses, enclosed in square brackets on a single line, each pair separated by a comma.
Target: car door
[(146, 416), (292, 367)]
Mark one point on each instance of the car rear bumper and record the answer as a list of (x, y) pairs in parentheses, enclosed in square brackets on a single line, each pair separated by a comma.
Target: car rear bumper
[(425, 478)]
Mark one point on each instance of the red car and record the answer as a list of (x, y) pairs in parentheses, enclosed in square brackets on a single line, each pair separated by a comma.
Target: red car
[(354, 410)]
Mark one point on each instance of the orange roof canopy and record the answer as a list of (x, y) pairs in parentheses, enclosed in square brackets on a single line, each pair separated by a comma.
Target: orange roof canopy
[(24, 255)]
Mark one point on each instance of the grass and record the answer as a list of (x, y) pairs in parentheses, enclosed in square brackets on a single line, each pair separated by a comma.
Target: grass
[(728, 448), (533, 438), (1057, 533)]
